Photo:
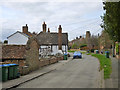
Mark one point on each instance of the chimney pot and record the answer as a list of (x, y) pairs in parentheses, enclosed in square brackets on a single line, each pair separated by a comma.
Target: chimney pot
[(48, 29), (60, 29), (80, 36), (44, 27), (59, 26)]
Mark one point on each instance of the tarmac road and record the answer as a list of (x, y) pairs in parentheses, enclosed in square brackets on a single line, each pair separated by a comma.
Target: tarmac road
[(77, 73)]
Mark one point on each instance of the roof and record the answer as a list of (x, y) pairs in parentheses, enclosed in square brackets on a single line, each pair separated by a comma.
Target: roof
[(51, 38), (13, 52), (20, 33), (29, 34)]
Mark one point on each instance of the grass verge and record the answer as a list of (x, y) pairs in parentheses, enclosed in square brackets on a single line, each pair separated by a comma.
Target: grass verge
[(105, 63), (83, 52), (88, 54), (71, 51)]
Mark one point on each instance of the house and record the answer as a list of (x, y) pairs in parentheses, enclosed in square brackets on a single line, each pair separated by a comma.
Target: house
[(52, 42), (104, 41), (90, 41), (19, 38)]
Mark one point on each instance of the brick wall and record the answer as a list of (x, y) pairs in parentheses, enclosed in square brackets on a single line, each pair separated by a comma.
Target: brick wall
[(21, 64)]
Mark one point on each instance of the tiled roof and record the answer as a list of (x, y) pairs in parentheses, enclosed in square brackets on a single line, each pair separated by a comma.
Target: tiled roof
[(51, 38), (13, 52)]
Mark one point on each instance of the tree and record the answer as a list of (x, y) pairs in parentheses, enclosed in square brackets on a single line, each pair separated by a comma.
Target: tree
[(111, 20), (6, 42), (105, 42), (74, 46), (92, 42), (83, 45)]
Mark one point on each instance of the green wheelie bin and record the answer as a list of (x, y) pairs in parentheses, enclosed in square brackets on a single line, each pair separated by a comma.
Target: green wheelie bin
[(65, 56), (10, 71), (0, 73), (107, 54), (97, 52), (5, 72), (15, 70)]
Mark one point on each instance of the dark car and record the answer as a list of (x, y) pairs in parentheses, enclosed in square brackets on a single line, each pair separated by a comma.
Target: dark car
[(77, 54)]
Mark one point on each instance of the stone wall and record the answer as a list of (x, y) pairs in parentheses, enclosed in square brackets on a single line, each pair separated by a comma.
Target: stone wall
[(42, 62), (32, 54), (47, 61)]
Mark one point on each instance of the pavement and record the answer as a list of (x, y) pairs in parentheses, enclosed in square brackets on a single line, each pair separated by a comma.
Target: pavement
[(35, 74), (76, 73), (112, 82)]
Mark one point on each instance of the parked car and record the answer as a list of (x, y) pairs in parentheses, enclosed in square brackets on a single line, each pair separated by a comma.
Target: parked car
[(77, 54)]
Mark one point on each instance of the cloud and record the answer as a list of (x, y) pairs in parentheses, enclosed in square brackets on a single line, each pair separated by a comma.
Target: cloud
[(52, 0), (17, 14)]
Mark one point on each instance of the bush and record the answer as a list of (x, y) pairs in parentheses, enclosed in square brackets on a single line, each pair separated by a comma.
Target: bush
[(117, 51), (71, 51), (83, 45), (74, 46), (6, 42), (92, 50)]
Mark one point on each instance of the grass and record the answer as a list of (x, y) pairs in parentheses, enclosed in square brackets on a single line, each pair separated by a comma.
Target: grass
[(105, 63), (83, 52), (71, 51), (88, 53)]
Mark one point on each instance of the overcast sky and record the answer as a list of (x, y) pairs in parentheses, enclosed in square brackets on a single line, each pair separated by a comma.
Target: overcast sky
[(74, 17)]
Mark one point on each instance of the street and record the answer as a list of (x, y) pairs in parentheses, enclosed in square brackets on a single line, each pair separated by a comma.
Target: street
[(77, 73), (59, 44)]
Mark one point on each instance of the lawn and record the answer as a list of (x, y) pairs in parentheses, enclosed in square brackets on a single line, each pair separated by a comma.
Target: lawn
[(88, 54), (105, 63), (83, 52), (71, 51)]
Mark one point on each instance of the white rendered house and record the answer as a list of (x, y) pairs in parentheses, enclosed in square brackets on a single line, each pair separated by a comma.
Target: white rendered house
[(19, 38)]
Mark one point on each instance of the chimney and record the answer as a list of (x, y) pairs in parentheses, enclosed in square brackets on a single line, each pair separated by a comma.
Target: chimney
[(98, 35), (48, 29), (44, 27), (25, 29), (76, 37), (80, 36), (88, 35), (60, 37)]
